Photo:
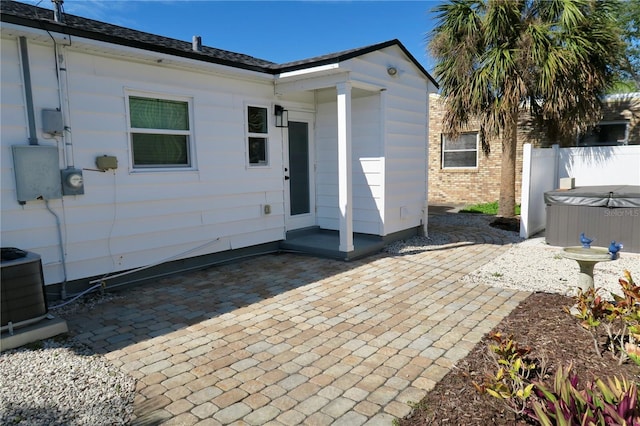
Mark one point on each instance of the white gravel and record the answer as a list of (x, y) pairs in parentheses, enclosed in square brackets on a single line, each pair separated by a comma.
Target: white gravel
[(529, 265), (535, 266), (62, 382)]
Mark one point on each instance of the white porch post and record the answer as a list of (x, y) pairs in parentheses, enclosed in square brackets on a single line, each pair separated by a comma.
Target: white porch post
[(345, 195)]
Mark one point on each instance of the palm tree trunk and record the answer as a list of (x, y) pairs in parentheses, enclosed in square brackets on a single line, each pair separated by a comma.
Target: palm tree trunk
[(507, 201)]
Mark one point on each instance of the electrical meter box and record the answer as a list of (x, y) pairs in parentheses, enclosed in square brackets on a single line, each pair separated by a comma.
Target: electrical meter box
[(37, 172)]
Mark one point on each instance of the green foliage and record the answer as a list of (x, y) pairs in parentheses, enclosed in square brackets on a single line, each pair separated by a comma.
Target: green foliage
[(599, 403), (510, 383), (487, 208), (627, 15), (516, 381), (591, 310), (556, 57), (620, 318)]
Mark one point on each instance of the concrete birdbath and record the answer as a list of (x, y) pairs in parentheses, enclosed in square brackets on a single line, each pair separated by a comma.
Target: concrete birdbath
[(587, 259)]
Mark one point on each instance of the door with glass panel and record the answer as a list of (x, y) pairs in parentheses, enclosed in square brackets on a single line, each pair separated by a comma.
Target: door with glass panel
[(299, 172)]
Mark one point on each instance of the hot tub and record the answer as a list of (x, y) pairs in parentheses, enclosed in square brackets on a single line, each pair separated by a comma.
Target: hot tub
[(604, 213)]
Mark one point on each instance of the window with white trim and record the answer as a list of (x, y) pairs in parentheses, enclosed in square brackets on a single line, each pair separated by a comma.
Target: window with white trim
[(257, 136), (160, 132), (460, 153), (606, 133)]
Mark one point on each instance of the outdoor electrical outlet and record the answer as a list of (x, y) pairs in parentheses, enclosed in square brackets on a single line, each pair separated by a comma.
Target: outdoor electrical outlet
[(267, 209), (107, 162)]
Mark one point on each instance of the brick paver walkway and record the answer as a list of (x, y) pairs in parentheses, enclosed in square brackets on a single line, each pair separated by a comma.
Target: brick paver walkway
[(289, 340)]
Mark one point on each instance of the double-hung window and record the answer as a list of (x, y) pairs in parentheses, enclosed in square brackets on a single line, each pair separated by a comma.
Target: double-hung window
[(160, 130), (257, 136), (460, 153)]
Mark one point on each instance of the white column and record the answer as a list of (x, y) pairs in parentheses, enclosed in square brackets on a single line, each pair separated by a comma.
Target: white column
[(345, 195)]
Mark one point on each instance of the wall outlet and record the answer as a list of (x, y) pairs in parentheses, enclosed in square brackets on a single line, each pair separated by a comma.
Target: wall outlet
[(266, 209), (106, 162)]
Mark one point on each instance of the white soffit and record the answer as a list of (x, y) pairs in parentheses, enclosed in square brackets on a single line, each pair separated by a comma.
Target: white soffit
[(322, 69)]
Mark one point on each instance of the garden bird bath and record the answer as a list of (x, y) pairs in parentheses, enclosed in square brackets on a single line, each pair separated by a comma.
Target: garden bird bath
[(587, 259)]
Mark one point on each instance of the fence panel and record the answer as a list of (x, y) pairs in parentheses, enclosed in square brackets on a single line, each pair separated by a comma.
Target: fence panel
[(590, 166), (538, 176)]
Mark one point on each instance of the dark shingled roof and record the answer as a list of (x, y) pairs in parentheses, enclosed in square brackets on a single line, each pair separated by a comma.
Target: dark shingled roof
[(37, 17)]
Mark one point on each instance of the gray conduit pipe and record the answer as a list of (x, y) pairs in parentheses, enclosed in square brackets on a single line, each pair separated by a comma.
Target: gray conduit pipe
[(63, 291), (28, 90)]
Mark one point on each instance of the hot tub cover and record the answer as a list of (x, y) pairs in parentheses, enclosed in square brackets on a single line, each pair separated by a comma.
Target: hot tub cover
[(611, 196)]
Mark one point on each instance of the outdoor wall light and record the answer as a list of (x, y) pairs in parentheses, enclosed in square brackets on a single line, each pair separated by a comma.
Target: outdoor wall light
[(392, 71), (282, 116)]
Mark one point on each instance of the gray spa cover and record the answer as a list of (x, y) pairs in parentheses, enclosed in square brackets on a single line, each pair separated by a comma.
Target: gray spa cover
[(612, 196)]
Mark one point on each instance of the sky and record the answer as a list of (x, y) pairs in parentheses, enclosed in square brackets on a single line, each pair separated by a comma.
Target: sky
[(277, 31)]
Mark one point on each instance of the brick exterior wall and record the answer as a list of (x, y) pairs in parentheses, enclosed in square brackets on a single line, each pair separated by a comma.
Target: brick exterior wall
[(464, 186), (482, 184)]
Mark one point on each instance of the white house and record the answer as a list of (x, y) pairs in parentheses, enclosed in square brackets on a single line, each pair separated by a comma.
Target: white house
[(123, 150)]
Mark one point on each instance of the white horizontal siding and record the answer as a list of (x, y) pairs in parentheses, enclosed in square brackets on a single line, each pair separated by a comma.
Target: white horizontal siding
[(367, 164), (127, 219), (389, 170), (405, 136)]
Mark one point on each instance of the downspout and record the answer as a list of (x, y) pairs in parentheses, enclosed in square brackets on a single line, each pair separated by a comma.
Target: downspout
[(28, 90)]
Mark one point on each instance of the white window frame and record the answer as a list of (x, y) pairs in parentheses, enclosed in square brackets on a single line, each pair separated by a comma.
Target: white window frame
[(443, 138), (249, 135), (610, 123), (191, 164)]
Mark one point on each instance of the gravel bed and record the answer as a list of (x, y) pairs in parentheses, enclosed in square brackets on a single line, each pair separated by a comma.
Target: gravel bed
[(534, 266), (61, 382), (529, 265)]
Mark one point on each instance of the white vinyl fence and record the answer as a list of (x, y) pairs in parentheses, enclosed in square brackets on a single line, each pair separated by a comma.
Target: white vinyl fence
[(543, 168)]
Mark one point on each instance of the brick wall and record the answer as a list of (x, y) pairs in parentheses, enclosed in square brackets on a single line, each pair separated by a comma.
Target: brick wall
[(482, 184), (464, 186)]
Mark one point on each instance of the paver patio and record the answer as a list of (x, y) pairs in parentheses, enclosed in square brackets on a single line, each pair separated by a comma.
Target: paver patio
[(287, 339)]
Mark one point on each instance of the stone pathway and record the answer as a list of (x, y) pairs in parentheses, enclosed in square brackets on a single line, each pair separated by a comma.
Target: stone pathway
[(289, 340)]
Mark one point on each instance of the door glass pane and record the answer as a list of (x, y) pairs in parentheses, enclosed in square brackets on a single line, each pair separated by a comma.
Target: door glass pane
[(299, 168)]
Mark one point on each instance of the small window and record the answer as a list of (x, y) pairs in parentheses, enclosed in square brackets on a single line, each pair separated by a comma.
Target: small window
[(606, 134), (160, 132), (461, 152), (257, 140)]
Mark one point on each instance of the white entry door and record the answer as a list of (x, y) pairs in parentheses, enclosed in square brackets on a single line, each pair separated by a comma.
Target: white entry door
[(299, 172)]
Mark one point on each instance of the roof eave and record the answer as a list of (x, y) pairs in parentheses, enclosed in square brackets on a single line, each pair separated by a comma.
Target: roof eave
[(52, 26)]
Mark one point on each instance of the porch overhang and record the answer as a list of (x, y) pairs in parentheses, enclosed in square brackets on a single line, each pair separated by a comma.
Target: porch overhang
[(339, 77)]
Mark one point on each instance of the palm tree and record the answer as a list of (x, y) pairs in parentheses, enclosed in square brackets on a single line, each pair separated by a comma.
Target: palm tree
[(496, 58)]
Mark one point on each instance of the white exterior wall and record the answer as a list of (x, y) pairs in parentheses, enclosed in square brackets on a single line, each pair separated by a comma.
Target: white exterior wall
[(127, 219), (389, 147), (367, 161)]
